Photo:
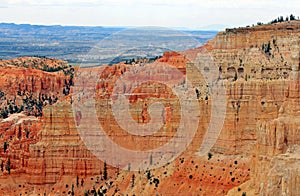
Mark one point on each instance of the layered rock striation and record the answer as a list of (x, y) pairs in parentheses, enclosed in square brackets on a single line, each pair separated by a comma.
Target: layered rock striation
[(256, 152)]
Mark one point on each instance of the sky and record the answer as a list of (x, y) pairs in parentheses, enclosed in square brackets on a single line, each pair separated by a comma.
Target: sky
[(191, 14)]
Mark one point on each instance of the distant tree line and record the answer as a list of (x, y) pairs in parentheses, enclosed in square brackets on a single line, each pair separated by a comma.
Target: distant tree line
[(142, 60), (42, 57), (281, 19)]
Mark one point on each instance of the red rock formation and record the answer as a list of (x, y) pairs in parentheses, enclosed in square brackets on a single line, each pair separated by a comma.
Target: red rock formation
[(257, 90)]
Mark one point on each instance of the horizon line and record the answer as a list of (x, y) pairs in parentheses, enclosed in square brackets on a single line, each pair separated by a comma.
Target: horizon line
[(125, 26)]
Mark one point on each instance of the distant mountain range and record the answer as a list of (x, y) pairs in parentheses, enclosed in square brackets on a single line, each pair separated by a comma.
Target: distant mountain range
[(70, 43)]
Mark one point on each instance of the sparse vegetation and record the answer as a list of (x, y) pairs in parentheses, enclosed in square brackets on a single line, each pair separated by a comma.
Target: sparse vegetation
[(281, 19), (72, 191), (105, 171), (129, 166), (148, 174), (292, 17), (32, 104), (136, 60), (5, 145), (235, 77), (209, 155), (266, 48), (8, 166), (2, 165), (156, 182), (77, 181), (2, 94), (132, 180), (4, 112)]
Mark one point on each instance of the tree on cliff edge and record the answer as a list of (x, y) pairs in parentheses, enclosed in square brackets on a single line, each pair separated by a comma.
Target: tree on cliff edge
[(292, 17)]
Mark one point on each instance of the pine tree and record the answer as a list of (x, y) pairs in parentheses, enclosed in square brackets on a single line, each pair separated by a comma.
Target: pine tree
[(77, 181), (281, 19), (105, 171), (292, 17), (72, 192), (8, 165), (2, 166), (5, 145), (148, 174), (132, 180)]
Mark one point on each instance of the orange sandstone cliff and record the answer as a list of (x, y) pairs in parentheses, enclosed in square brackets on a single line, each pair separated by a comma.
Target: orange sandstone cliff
[(257, 151)]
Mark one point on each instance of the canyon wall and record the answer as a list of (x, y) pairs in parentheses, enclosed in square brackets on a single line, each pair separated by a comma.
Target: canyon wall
[(257, 151)]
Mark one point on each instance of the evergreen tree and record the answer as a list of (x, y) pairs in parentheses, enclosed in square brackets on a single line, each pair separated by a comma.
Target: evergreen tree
[(292, 17), (5, 145), (281, 19), (4, 113), (8, 166), (72, 192), (77, 181), (129, 166), (132, 180), (105, 171), (148, 174), (209, 155), (2, 166)]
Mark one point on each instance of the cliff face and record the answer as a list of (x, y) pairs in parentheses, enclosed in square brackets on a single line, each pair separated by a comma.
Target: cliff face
[(276, 155), (60, 150), (259, 60), (27, 86), (257, 149)]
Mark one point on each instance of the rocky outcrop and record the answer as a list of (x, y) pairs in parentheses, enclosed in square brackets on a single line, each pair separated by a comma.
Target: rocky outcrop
[(45, 64), (26, 88)]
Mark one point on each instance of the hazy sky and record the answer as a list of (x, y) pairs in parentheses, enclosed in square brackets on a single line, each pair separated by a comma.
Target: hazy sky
[(167, 13)]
